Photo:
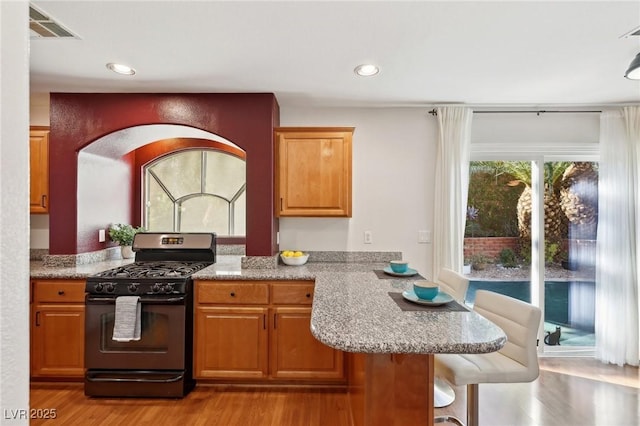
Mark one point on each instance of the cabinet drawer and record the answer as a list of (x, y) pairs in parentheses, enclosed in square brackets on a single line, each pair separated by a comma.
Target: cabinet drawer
[(54, 291), (295, 293), (246, 293)]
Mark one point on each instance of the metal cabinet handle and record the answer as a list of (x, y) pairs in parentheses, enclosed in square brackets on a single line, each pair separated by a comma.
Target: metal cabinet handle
[(43, 201), (308, 294), (61, 292), (233, 294), (38, 319)]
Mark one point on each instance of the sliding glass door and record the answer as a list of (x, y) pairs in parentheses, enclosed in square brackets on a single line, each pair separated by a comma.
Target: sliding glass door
[(530, 233), (570, 241)]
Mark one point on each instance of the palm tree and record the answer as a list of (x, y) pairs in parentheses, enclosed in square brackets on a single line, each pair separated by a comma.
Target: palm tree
[(579, 198), (555, 226)]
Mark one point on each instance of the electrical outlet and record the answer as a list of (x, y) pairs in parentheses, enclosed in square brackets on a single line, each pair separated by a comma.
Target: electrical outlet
[(101, 236), (424, 237), (368, 237)]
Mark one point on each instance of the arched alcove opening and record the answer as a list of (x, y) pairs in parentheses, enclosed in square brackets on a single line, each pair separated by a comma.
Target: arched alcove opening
[(122, 155), (93, 174)]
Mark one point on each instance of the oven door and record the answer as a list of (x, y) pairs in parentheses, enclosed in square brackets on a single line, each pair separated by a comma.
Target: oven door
[(162, 341)]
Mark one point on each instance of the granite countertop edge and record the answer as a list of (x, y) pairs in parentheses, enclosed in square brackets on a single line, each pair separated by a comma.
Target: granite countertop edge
[(351, 311)]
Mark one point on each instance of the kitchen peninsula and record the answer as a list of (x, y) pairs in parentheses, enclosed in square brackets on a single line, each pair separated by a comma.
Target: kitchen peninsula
[(389, 351)]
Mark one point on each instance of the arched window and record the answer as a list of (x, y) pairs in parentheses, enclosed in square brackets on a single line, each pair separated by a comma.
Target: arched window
[(196, 190)]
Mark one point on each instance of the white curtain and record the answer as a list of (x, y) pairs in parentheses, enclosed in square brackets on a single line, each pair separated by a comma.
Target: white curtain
[(616, 322), (451, 187)]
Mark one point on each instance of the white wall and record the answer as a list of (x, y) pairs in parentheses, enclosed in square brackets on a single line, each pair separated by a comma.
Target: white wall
[(393, 175), (526, 135), (39, 109), (14, 219)]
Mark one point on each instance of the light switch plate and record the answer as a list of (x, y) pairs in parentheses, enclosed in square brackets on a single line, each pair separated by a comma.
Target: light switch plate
[(424, 237), (101, 236), (368, 237)]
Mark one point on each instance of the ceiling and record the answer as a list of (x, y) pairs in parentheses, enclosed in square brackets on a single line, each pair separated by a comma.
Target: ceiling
[(481, 53)]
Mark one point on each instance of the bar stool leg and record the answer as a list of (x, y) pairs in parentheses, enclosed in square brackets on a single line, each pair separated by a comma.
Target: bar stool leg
[(448, 419), (472, 405), (443, 394)]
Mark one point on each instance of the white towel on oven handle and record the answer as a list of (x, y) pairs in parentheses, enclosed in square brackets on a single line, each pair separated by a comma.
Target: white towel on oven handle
[(127, 320)]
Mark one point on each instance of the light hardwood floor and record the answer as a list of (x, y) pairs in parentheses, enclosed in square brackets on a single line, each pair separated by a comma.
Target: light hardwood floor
[(569, 391)]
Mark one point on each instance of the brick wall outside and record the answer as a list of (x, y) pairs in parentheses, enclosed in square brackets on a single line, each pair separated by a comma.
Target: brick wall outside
[(492, 246), (489, 246)]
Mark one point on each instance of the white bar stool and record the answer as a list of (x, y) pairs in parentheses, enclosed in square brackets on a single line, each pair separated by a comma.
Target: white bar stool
[(516, 362), (455, 285)]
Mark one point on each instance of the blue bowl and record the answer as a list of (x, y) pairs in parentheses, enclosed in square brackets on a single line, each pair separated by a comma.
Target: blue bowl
[(399, 266), (426, 290)]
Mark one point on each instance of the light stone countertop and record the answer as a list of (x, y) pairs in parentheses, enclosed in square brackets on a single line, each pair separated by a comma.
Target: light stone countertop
[(351, 311), (77, 272)]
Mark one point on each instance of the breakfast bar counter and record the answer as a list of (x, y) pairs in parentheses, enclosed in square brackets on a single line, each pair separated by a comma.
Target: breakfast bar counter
[(391, 346), (355, 312)]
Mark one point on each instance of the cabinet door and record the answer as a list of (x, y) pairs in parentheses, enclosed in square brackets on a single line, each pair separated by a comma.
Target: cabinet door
[(58, 340), (231, 342), (295, 353), (313, 167), (39, 171)]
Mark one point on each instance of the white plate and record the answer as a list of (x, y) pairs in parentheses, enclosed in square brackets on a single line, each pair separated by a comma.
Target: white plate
[(408, 273), (441, 299)]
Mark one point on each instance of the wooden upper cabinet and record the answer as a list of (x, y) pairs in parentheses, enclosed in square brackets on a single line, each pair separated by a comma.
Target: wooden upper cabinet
[(39, 169), (313, 171)]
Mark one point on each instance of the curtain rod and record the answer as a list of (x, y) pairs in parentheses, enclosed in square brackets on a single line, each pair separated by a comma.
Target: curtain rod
[(537, 112)]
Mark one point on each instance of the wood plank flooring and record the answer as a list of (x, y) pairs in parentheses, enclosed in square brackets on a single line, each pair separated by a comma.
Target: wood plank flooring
[(569, 391)]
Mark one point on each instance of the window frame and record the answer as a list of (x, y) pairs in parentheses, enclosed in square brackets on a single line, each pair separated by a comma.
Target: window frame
[(149, 153)]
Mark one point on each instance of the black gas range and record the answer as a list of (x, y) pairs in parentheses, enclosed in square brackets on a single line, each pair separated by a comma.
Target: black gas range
[(139, 318)]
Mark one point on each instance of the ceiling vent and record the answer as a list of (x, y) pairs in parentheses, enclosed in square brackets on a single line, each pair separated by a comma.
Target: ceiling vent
[(43, 26)]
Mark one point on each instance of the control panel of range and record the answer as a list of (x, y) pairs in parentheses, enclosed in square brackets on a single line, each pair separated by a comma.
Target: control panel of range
[(138, 288)]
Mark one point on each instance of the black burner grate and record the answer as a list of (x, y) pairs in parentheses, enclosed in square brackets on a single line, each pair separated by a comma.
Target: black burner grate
[(166, 269)]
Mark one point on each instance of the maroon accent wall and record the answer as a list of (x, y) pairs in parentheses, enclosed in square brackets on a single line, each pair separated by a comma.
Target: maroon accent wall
[(78, 119)]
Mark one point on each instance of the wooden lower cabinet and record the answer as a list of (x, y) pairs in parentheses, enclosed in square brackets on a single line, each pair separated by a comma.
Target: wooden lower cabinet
[(295, 353), (391, 389), (57, 329), (260, 331), (231, 343)]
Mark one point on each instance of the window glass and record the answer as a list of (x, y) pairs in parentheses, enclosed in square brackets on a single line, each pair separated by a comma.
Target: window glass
[(204, 213), (179, 173), (199, 190), (159, 206), (225, 174)]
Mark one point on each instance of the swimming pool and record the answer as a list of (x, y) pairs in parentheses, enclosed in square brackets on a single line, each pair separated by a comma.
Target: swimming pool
[(567, 303)]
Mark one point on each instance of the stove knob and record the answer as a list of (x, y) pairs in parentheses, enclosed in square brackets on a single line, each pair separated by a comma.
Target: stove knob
[(98, 288), (133, 287), (168, 288), (156, 288), (109, 287)]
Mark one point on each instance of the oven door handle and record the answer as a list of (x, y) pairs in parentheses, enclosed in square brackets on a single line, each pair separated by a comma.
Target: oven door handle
[(169, 300)]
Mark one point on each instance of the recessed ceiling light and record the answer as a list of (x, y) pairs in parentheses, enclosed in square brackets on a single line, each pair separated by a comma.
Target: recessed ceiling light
[(121, 69), (366, 70)]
